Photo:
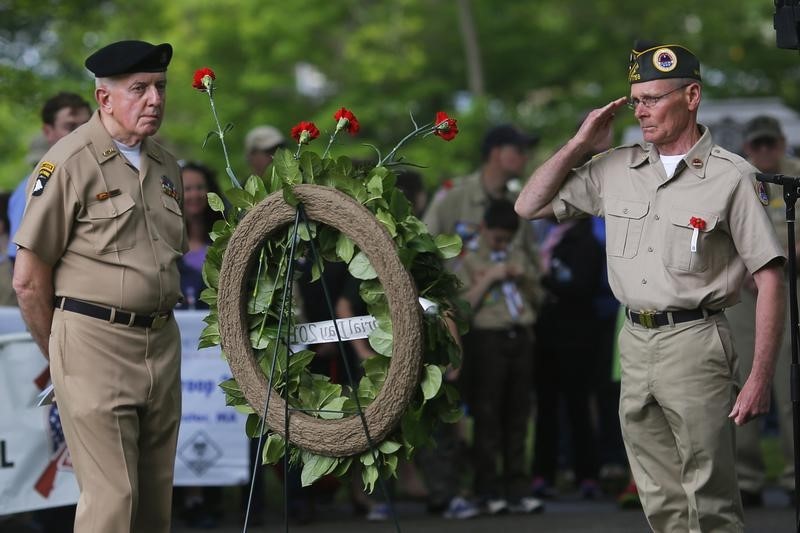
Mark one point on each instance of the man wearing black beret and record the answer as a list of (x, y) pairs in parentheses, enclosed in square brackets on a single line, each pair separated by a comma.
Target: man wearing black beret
[(97, 279), (684, 224)]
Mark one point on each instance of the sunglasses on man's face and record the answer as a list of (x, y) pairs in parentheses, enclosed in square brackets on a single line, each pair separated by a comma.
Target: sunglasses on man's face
[(764, 142)]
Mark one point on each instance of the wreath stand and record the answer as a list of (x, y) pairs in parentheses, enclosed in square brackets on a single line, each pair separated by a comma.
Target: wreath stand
[(791, 192), (334, 438)]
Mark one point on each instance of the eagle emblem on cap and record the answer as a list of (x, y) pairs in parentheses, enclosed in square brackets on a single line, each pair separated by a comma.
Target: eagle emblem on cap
[(665, 60)]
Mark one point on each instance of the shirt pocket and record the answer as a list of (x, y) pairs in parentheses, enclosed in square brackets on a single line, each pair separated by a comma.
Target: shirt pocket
[(678, 240), (172, 228), (113, 224), (624, 226)]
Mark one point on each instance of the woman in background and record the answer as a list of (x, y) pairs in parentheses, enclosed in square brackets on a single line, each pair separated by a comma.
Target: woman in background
[(198, 181)]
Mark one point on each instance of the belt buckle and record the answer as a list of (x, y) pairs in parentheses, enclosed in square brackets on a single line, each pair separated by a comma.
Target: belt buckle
[(159, 321), (647, 319)]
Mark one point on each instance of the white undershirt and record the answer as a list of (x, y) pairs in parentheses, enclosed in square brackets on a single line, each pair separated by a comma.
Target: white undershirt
[(670, 163), (132, 153)]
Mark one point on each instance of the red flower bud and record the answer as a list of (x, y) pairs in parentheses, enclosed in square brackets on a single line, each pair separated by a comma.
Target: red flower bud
[(203, 79), (304, 132), (346, 120), (444, 126)]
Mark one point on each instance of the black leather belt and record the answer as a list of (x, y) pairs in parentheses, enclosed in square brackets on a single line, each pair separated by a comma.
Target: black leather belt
[(115, 316), (656, 319)]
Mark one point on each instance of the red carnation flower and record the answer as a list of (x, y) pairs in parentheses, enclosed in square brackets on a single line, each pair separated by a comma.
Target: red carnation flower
[(445, 127), (304, 132), (346, 120), (698, 223), (203, 78)]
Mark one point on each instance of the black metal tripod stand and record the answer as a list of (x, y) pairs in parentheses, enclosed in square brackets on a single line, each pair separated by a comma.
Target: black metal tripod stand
[(791, 192)]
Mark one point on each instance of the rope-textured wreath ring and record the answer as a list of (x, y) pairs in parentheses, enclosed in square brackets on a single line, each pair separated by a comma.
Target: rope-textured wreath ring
[(335, 438)]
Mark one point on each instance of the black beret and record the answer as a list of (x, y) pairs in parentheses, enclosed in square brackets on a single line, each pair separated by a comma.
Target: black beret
[(126, 57), (652, 61)]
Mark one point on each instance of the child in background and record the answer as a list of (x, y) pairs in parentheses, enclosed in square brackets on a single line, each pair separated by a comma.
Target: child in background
[(500, 285)]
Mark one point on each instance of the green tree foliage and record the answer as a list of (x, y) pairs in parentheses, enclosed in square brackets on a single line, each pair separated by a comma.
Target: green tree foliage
[(545, 64)]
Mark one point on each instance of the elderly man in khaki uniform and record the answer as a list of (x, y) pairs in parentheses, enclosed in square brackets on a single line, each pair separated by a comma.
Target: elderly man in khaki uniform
[(765, 148), (684, 226), (97, 278)]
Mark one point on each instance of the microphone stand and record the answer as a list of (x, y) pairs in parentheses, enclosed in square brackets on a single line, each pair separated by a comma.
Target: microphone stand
[(791, 192)]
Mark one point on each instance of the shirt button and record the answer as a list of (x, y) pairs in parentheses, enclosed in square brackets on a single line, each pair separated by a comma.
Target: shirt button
[(162, 268), (155, 237), (644, 282), (657, 217), (649, 248), (147, 208), (113, 212), (625, 210)]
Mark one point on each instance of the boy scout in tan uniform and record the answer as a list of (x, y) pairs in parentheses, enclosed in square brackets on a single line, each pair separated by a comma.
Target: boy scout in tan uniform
[(679, 242), (765, 148), (460, 209), (100, 241)]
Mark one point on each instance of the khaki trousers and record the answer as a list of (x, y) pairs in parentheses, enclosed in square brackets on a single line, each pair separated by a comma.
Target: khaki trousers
[(750, 467), (678, 386), (118, 393)]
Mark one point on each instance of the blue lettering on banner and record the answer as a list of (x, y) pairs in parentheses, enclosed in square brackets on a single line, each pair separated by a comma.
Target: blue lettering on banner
[(194, 417), (226, 417), (205, 386)]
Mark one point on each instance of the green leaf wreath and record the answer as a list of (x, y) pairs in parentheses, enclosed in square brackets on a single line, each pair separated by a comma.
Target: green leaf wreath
[(422, 255)]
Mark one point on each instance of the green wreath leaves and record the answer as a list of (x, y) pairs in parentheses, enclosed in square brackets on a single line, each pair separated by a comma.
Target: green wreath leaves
[(436, 401)]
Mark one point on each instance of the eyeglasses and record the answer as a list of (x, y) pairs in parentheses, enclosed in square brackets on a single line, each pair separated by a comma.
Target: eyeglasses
[(650, 101)]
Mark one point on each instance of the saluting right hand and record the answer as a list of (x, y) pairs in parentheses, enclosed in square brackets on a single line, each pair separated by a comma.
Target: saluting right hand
[(596, 134)]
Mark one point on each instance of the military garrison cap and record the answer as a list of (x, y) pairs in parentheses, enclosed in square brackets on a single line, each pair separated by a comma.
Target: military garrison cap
[(126, 57), (652, 61)]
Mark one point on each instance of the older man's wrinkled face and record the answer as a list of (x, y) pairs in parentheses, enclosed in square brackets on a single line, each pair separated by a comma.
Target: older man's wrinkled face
[(137, 102), (663, 110)]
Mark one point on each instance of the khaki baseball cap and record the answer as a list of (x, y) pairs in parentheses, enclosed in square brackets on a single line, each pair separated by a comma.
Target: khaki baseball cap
[(761, 127), (263, 138)]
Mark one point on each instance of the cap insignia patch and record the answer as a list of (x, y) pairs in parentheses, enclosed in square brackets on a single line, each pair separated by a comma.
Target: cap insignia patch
[(45, 171), (665, 60)]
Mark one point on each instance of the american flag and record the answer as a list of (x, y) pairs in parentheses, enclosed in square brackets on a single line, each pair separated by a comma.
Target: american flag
[(59, 458)]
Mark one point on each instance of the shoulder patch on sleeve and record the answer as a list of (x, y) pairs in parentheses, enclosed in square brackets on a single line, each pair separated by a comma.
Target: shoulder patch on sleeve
[(762, 192), (42, 176)]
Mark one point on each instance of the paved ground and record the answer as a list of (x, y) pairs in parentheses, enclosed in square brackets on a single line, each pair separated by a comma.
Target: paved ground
[(565, 515)]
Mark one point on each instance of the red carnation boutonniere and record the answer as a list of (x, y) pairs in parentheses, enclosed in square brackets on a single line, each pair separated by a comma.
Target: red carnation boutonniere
[(698, 224)]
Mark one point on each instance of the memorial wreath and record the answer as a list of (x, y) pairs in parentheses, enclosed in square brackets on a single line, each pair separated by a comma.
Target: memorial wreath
[(324, 208)]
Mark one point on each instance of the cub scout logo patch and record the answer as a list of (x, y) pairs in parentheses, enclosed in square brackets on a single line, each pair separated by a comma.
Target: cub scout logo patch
[(168, 188), (43, 174), (763, 193)]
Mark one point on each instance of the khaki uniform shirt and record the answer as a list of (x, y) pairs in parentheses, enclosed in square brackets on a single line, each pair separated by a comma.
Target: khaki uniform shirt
[(112, 234), (492, 312), (650, 263), (460, 211)]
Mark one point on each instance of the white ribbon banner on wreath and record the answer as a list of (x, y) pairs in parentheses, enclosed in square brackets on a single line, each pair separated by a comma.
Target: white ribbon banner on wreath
[(356, 327), (35, 469)]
